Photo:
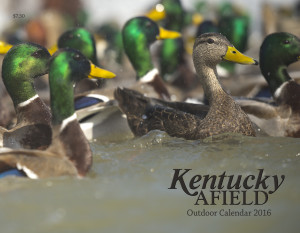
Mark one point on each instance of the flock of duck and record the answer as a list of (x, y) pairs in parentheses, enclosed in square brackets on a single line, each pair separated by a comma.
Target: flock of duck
[(53, 139)]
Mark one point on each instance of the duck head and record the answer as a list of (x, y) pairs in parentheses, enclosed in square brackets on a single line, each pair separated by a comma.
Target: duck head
[(138, 34), (277, 52), (66, 67), (211, 48), (21, 65), (80, 39)]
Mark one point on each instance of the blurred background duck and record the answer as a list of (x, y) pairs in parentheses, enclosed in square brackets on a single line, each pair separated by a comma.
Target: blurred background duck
[(174, 64), (67, 155), (21, 65), (280, 18), (233, 22), (109, 45), (223, 116), (281, 118)]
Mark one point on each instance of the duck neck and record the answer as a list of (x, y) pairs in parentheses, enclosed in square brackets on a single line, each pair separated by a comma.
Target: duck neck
[(139, 55), (19, 86), (210, 83), (275, 75), (61, 94)]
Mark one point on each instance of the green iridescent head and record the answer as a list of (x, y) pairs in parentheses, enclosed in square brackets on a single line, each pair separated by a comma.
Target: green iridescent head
[(138, 34), (80, 39), (21, 65), (277, 51), (66, 67)]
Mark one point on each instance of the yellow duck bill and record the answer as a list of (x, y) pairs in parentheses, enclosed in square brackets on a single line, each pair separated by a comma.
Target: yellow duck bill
[(166, 34), (53, 49), (97, 72), (234, 55), (4, 47), (197, 19), (157, 13)]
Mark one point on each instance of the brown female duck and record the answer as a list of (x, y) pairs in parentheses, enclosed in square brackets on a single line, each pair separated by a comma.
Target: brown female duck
[(223, 116)]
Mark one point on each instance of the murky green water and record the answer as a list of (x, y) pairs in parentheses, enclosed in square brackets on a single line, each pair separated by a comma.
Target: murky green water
[(127, 188)]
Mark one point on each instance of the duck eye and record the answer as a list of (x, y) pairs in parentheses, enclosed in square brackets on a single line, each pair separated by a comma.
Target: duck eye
[(210, 41), (37, 54), (286, 42), (70, 36), (77, 57)]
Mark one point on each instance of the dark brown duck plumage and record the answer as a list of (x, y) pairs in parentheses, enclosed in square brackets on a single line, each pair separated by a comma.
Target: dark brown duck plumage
[(192, 121)]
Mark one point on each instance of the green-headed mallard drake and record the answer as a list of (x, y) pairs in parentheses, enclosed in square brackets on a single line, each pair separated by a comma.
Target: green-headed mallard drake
[(281, 118), (21, 65), (138, 34), (89, 100), (223, 116), (69, 153)]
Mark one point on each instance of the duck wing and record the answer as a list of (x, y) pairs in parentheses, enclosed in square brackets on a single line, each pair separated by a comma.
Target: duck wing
[(146, 114)]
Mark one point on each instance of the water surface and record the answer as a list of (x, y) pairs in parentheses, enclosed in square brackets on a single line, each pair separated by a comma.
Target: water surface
[(127, 188)]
